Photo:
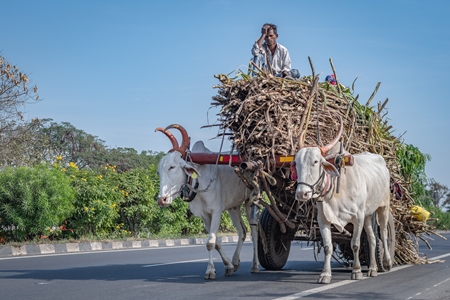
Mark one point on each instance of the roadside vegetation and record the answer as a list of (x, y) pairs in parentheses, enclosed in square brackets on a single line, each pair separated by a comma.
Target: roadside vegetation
[(59, 183)]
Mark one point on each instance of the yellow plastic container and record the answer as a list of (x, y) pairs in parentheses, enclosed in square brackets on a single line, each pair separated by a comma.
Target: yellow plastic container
[(419, 213)]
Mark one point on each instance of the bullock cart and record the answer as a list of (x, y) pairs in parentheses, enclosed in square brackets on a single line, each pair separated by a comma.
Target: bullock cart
[(283, 219)]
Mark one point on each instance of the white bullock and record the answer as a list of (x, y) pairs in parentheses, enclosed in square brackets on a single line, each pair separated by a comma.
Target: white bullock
[(364, 189), (217, 188)]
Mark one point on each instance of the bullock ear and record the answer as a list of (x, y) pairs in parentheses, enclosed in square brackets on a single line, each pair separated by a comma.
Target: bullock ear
[(191, 170), (330, 168)]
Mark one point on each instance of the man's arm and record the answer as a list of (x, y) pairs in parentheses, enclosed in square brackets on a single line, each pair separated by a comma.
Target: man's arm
[(257, 47), (264, 31)]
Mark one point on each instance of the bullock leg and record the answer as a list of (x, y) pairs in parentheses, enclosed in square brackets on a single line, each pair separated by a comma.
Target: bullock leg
[(210, 270), (383, 217), (356, 244), (254, 233), (229, 267), (214, 243), (325, 232), (373, 269), (236, 218)]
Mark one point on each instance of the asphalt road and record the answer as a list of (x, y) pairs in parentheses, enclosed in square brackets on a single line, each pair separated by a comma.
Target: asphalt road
[(177, 273)]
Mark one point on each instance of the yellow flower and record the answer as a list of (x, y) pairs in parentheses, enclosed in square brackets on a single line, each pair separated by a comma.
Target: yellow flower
[(126, 194), (59, 158), (100, 177), (84, 179), (63, 169), (86, 208), (93, 208), (73, 165)]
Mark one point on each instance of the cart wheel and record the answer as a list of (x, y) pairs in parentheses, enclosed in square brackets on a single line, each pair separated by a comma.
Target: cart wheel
[(379, 250), (277, 248)]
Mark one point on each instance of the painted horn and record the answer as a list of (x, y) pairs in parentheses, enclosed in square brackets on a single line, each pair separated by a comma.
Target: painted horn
[(326, 148), (184, 135), (170, 136)]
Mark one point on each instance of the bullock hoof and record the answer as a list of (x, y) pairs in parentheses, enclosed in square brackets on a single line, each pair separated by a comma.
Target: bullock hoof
[(229, 271), (387, 266), (236, 267), (324, 279), (210, 276), (357, 275), (254, 270), (372, 273)]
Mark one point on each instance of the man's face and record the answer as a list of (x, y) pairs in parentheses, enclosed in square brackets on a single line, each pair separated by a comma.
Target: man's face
[(271, 38)]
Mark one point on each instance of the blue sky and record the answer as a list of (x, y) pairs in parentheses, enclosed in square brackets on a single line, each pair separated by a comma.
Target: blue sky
[(119, 69)]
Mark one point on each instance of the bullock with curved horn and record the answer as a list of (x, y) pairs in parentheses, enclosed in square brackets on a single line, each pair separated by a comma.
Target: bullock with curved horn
[(364, 190), (217, 189)]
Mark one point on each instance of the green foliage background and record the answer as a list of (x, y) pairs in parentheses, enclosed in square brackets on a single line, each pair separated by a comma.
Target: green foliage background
[(60, 201)]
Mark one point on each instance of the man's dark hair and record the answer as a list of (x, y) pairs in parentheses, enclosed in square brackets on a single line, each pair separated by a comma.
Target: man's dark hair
[(272, 27)]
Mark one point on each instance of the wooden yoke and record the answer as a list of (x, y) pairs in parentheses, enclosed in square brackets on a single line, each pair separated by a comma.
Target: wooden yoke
[(236, 160)]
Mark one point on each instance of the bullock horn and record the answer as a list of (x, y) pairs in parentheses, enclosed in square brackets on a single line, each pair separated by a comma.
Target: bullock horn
[(170, 136), (184, 135), (302, 136), (326, 148)]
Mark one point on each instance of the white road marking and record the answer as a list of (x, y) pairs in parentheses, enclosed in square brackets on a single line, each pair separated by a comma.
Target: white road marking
[(174, 263), (440, 256), (316, 290), (345, 282), (437, 284)]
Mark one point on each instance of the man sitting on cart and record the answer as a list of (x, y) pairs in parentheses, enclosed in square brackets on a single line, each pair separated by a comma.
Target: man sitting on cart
[(271, 55)]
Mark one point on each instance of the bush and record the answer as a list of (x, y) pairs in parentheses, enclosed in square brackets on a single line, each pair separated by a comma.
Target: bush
[(97, 202), (33, 202), (138, 208), (142, 216), (176, 220)]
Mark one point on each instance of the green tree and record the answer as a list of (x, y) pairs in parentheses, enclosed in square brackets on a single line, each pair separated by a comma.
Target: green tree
[(88, 151), (126, 159), (446, 203), (74, 145), (23, 145), (438, 193)]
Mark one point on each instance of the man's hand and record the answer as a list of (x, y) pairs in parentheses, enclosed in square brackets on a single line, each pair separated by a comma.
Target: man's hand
[(265, 30)]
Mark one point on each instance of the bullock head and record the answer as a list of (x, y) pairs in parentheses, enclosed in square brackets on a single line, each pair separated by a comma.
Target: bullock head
[(313, 171), (173, 170)]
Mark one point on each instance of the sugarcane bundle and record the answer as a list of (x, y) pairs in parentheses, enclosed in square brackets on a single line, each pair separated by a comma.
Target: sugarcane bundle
[(264, 117)]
